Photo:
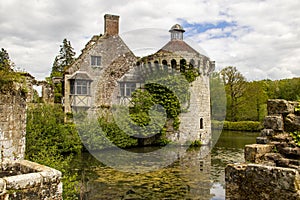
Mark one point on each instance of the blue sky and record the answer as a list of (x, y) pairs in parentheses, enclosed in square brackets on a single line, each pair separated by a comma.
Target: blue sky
[(198, 28), (259, 37)]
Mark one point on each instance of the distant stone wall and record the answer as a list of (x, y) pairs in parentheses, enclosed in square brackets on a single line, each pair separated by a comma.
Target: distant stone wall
[(12, 125), (275, 174)]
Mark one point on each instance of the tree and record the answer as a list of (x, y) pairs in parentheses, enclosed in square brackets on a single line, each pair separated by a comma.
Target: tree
[(64, 59), (5, 63), (254, 100), (61, 62), (234, 83), (7, 74)]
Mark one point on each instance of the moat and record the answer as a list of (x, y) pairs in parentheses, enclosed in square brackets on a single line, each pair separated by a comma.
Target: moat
[(190, 177)]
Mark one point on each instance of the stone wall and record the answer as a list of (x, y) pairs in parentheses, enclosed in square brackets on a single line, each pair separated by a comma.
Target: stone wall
[(12, 125), (276, 158)]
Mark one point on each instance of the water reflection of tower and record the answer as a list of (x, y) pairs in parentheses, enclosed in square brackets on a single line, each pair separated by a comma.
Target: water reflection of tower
[(196, 167)]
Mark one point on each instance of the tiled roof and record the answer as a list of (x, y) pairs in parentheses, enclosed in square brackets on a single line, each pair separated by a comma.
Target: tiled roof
[(81, 76)]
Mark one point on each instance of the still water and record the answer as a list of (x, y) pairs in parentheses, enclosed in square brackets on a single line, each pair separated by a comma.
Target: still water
[(196, 174)]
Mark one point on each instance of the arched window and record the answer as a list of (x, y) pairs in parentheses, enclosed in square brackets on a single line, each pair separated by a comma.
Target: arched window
[(182, 65), (165, 65), (201, 123), (192, 63), (156, 65), (173, 64)]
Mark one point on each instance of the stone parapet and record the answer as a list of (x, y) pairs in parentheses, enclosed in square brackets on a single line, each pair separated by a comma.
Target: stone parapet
[(22, 180)]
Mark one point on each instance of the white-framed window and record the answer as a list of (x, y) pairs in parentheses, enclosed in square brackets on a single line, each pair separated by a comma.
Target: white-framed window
[(80, 87), (127, 88), (96, 61)]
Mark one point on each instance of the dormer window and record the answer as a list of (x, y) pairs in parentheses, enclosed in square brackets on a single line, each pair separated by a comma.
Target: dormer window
[(80, 87), (95, 61)]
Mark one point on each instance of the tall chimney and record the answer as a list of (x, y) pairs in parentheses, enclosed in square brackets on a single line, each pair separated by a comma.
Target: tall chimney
[(111, 24)]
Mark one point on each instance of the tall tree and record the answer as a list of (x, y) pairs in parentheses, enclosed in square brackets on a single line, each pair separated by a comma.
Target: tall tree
[(64, 59), (5, 63), (235, 84)]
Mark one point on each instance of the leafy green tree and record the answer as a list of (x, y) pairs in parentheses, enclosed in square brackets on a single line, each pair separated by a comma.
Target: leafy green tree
[(253, 106), (234, 83)]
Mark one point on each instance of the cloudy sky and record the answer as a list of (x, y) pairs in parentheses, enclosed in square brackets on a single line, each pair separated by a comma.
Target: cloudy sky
[(259, 37)]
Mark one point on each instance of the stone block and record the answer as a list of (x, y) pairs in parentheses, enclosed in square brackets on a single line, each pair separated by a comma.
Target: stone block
[(255, 152), (280, 106), (290, 152), (274, 122), (267, 132), (262, 140), (255, 181), (292, 123)]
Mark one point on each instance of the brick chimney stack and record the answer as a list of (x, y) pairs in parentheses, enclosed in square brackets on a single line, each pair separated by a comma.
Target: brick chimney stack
[(111, 24)]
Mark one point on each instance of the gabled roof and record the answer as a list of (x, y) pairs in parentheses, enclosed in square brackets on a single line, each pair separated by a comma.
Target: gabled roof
[(177, 46)]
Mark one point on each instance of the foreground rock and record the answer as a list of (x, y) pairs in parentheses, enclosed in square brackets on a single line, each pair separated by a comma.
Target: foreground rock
[(275, 159)]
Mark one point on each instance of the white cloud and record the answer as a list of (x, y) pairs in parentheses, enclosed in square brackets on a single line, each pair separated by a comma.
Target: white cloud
[(262, 43)]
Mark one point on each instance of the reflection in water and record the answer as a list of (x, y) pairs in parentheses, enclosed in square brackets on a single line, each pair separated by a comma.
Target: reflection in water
[(196, 175)]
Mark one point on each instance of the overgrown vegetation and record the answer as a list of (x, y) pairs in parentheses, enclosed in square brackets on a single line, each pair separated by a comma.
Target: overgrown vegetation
[(8, 77), (296, 137), (51, 142)]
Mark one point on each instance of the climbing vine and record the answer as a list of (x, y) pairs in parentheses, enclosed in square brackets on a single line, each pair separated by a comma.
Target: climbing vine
[(168, 91)]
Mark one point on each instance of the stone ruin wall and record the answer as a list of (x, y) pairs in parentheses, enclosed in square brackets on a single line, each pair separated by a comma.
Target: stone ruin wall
[(12, 125), (21, 179), (275, 159)]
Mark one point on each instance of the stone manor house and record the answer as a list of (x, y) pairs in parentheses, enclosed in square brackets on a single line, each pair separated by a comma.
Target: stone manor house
[(104, 67)]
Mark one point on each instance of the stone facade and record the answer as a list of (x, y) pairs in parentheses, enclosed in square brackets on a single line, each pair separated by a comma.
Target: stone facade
[(276, 158), (106, 67), (115, 59)]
